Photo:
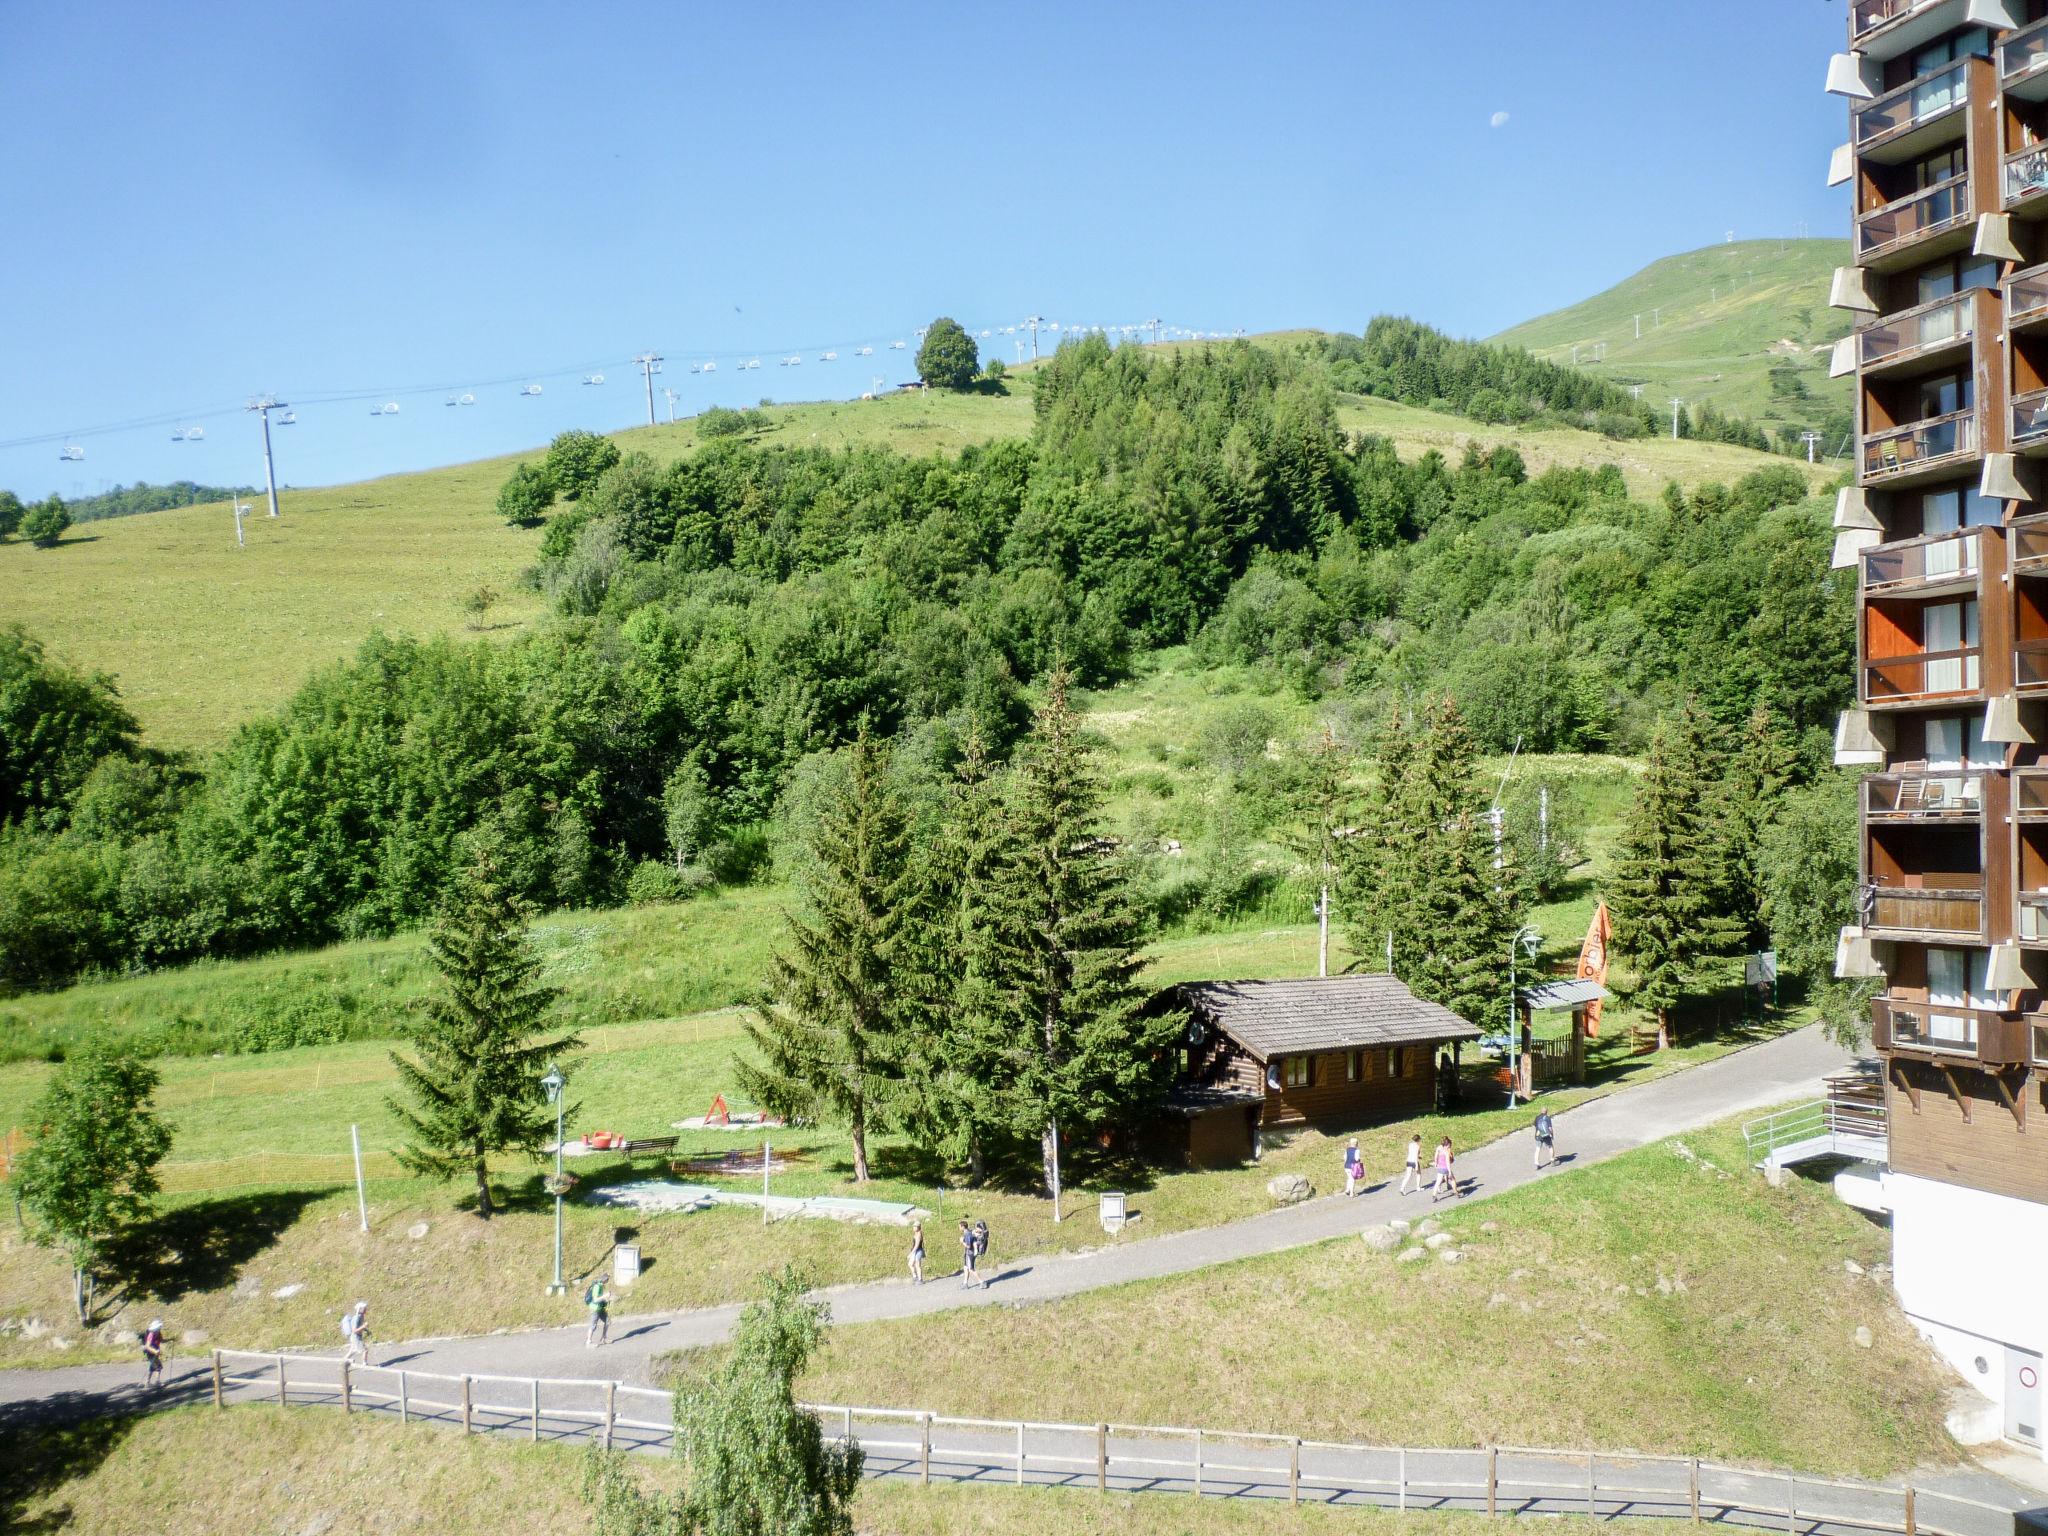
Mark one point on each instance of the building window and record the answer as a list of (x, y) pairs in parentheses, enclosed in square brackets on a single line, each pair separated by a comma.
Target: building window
[(1299, 1072), (1394, 1062)]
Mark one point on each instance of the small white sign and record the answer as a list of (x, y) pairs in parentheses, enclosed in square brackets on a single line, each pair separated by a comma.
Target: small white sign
[(625, 1263), (1110, 1207)]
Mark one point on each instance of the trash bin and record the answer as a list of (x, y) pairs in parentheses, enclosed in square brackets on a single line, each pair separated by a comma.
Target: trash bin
[(625, 1263), (1110, 1209)]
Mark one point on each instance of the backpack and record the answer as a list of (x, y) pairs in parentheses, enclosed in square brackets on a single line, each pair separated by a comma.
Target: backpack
[(1543, 1123), (590, 1294), (348, 1325)]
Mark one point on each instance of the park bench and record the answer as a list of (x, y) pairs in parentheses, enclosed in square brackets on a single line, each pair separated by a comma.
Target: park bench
[(648, 1146)]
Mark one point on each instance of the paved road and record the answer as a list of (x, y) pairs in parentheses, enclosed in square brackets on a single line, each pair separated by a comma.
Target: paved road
[(1777, 1070)]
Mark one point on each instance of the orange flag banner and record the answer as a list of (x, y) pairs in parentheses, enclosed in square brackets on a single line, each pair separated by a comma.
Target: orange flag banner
[(1593, 961)]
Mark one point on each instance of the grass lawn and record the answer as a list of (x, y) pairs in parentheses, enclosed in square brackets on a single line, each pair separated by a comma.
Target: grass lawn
[(1651, 1303), (195, 1472)]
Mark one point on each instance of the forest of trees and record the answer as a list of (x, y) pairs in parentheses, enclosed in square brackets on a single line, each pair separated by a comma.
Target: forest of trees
[(720, 622)]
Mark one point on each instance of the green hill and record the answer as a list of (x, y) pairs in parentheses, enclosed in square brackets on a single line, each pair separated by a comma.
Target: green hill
[(201, 635), (1744, 327)]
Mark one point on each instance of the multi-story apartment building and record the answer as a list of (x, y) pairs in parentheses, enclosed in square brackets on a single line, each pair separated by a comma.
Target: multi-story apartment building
[(1947, 165)]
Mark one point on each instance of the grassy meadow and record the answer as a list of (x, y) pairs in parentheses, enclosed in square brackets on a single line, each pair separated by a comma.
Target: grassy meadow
[(1666, 1301), (201, 635), (1729, 313), (196, 1472)]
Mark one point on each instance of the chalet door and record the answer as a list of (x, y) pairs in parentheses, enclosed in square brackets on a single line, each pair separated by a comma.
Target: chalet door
[(1955, 984), (2023, 1397)]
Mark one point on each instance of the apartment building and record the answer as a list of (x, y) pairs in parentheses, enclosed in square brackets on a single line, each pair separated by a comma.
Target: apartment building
[(1947, 166)]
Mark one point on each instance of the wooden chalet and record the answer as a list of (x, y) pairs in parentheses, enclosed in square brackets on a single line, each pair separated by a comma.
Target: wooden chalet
[(1335, 1048)]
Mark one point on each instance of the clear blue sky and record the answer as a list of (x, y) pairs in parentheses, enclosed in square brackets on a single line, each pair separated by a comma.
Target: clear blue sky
[(203, 201)]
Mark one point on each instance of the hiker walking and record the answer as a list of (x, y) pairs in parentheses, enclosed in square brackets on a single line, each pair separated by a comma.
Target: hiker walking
[(153, 1354), (917, 1253), (1546, 1139), (1411, 1172), (967, 1254), (1354, 1167), (980, 1251), (1445, 1180), (355, 1334), (598, 1298)]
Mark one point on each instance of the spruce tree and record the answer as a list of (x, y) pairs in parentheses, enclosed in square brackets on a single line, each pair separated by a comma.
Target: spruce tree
[(954, 1061), (1324, 811), (473, 1079), (1064, 928), (1670, 879), (1759, 771), (830, 1029), (1378, 865)]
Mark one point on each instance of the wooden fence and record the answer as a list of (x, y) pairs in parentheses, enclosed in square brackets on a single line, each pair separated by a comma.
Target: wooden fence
[(1135, 1457)]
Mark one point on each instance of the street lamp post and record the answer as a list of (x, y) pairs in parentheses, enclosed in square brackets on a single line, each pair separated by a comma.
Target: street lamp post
[(553, 1083), (1527, 940)]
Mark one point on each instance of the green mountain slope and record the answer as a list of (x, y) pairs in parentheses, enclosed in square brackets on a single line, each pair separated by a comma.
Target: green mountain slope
[(1744, 327)]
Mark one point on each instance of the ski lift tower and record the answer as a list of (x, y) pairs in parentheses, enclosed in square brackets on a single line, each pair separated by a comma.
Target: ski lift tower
[(650, 365), (263, 405)]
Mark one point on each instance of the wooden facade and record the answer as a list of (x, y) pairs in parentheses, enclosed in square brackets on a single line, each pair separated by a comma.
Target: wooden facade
[(1958, 1125), (1368, 1082)]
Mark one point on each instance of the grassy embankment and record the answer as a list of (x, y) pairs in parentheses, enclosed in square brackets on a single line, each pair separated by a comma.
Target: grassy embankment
[(1714, 323), (1660, 1302), (194, 1472), (201, 635)]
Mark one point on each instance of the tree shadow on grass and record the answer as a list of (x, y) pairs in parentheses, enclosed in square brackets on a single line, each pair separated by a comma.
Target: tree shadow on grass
[(38, 1459), (202, 1246)]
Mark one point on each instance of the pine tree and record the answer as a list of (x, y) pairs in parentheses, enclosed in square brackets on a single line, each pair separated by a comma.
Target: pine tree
[(1324, 810), (953, 1053), (1378, 865), (1670, 879), (831, 1026), (1064, 929), (1759, 771), (474, 1076)]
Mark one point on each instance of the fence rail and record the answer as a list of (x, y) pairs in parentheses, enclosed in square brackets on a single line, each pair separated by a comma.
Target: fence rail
[(910, 1442)]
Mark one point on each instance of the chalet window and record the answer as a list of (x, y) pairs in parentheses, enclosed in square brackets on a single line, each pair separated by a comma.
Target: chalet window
[(1394, 1062), (1299, 1072), (1355, 1063)]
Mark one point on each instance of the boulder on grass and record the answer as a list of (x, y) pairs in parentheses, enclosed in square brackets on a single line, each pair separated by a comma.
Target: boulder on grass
[(1289, 1188), (1410, 1255), (1381, 1239), (1429, 1226), (1437, 1240)]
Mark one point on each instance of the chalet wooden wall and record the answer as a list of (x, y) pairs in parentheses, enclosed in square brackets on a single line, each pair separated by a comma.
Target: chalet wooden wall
[(1988, 1151), (1378, 1092)]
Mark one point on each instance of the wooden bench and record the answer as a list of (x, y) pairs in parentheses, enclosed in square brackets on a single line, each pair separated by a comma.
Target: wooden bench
[(647, 1147)]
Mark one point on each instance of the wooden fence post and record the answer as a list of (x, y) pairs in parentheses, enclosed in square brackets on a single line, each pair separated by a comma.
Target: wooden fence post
[(1693, 1490), (280, 1381), (465, 1404), (404, 1403), (1102, 1458), (1492, 1479), (1791, 1509), (1912, 1525), (536, 1411), (1401, 1479), (848, 1434), (1592, 1507), (219, 1399), (1198, 1463), (924, 1448), (1020, 1453), (611, 1399), (347, 1388), (1294, 1471)]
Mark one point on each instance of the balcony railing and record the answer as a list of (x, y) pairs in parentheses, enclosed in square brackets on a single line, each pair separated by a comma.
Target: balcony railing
[(1920, 442), (1924, 675), (1954, 1029), (2026, 296), (2030, 417), (2022, 53), (1923, 796), (2030, 663), (1916, 102), (1934, 208), (1869, 15), (2026, 173), (1947, 557), (2033, 916), (1911, 909), (2037, 1048), (1899, 336), (2026, 546)]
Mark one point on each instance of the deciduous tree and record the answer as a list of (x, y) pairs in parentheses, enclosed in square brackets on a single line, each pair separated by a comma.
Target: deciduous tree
[(44, 523), (948, 357), (526, 495)]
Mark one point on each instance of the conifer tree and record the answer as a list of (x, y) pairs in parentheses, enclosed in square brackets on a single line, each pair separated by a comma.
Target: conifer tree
[(954, 1060), (831, 1026), (1670, 878), (473, 1079), (1324, 810), (1759, 771), (1064, 929), (1378, 865)]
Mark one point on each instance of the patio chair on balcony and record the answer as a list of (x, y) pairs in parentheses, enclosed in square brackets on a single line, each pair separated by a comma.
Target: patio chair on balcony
[(1888, 454)]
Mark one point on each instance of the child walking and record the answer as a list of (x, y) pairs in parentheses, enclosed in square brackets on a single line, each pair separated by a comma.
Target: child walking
[(1411, 1174), (153, 1354), (917, 1253), (1446, 1182), (1354, 1167)]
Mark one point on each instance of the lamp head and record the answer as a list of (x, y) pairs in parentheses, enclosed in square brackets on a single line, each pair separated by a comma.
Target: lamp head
[(553, 1083)]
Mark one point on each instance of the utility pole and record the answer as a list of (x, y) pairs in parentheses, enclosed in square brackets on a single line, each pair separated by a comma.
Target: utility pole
[(263, 405), (1812, 440), (670, 396), (1675, 404), (1639, 327), (650, 365)]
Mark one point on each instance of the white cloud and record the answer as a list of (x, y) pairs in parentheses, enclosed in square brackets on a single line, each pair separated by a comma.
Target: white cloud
[(1498, 120)]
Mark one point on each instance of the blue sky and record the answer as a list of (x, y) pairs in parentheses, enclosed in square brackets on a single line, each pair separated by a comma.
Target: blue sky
[(402, 200)]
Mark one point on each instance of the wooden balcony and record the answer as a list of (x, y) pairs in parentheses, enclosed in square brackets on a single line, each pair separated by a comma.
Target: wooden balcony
[(1884, 29), (1940, 1031), (2030, 795), (1921, 797), (1924, 567), (1885, 235), (2023, 63), (1915, 119), (2030, 668), (1920, 450), (1924, 337), (1926, 912), (2026, 300), (1922, 677)]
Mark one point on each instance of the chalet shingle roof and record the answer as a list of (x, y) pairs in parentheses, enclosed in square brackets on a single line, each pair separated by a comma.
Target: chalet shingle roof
[(1565, 993), (1333, 1013)]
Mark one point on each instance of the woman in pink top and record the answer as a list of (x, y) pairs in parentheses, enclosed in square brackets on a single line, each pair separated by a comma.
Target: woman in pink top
[(1445, 1181)]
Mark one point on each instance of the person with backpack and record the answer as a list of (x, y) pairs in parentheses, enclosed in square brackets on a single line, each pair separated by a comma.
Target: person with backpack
[(355, 1333), (598, 1298), (153, 1354), (917, 1253), (1546, 1139), (980, 1252), (1354, 1168), (967, 1275), (1411, 1171)]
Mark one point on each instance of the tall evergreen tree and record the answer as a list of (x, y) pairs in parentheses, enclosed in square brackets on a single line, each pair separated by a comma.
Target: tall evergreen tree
[(473, 1080), (1759, 771), (954, 1058), (1379, 865), (1064, 928), (1323, 808), (1670, 880), (831, 1028)]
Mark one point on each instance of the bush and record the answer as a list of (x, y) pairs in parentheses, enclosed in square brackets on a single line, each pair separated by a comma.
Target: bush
[(576, 459), (525, 497), (44, 523), (719, 421), (652, 883)]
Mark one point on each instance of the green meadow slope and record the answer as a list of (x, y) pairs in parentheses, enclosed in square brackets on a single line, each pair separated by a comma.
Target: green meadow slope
[(1745, 327)]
